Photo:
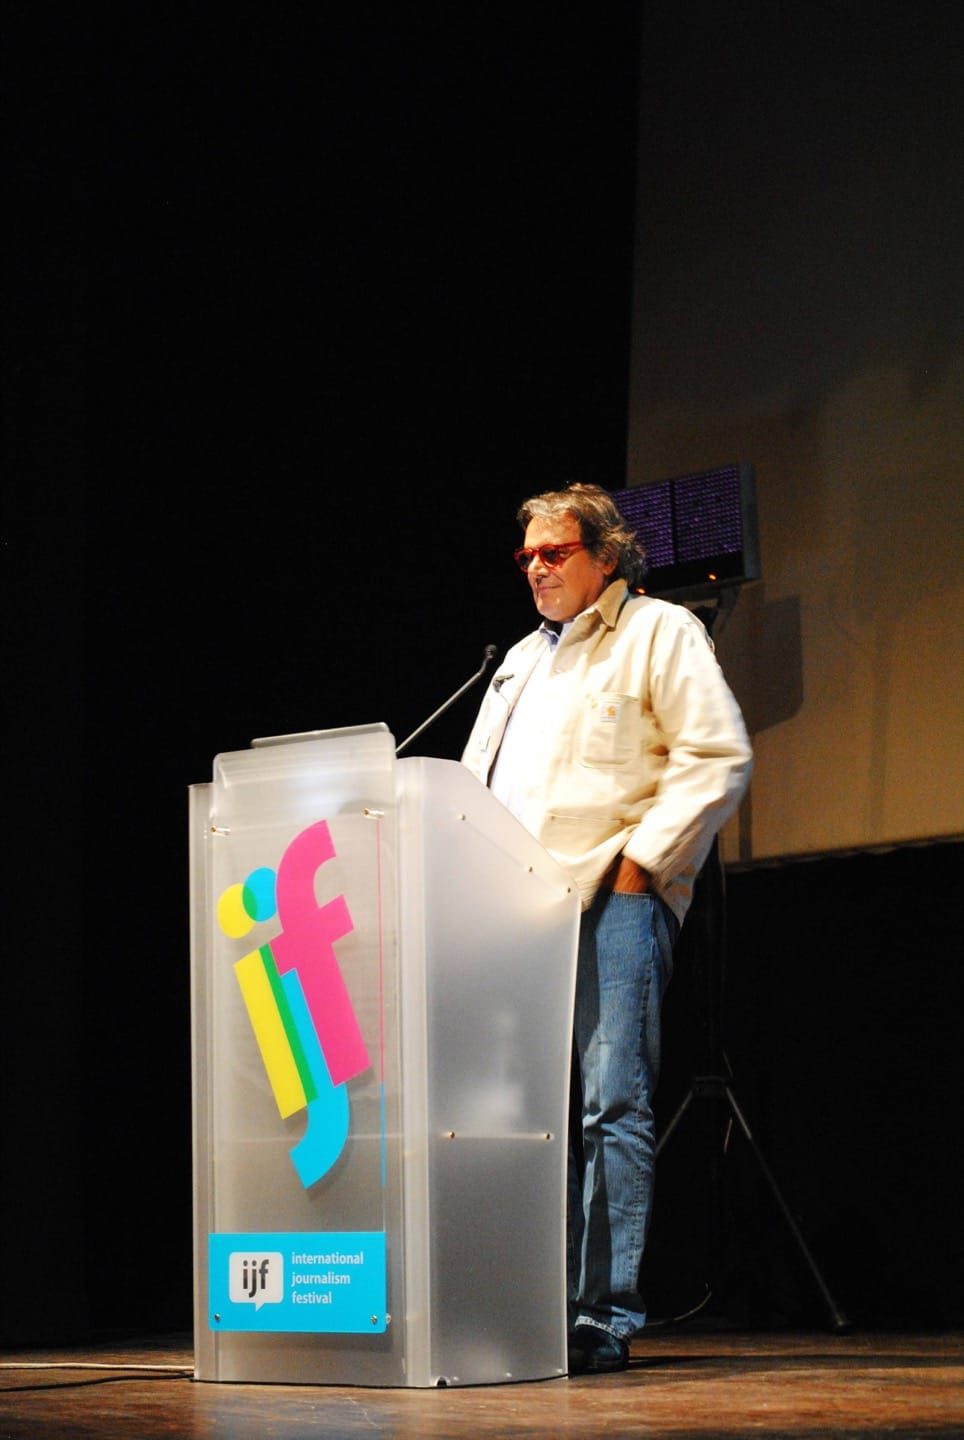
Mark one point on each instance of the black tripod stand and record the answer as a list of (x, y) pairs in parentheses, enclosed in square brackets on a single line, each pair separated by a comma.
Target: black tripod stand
[(715, 1084)]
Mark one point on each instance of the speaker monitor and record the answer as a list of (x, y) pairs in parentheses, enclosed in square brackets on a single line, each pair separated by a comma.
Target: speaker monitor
[(699, 532)]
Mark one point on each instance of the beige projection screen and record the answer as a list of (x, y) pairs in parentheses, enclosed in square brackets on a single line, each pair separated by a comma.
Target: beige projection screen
[(798, 307)]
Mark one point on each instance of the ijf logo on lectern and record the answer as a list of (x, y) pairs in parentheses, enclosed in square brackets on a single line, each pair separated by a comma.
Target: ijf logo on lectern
[(297, 1000)]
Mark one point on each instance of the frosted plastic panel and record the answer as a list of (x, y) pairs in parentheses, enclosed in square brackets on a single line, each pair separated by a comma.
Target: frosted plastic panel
[(499, 945), (245, 823)]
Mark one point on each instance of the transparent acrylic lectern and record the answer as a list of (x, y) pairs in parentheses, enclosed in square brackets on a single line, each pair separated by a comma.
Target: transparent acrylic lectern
[(383, 964)]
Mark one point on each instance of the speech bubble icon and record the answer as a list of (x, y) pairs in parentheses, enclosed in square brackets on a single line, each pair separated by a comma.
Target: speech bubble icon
[(255, 1277)]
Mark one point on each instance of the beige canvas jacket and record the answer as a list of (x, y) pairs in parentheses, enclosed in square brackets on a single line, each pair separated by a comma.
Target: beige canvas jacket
[(647, 750)]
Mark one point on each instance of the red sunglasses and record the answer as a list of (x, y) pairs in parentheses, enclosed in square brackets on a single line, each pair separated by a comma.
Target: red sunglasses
[(551, 556)]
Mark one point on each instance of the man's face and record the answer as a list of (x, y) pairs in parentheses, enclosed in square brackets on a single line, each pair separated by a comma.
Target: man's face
[(561, 591)]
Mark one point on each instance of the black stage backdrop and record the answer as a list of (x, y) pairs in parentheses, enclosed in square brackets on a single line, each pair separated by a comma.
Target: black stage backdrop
[(299, 310)]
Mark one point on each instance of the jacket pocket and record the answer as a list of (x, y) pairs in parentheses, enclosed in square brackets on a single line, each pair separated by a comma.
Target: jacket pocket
[(612, 729)]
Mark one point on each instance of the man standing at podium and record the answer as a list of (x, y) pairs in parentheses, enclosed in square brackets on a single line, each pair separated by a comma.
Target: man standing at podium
[(611, 734)]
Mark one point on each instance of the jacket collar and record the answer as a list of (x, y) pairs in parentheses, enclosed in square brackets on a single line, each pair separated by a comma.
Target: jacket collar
[(607, 606), (611, 601)]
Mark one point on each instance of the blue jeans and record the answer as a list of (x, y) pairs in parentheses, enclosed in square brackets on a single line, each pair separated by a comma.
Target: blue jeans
[(625, 963)]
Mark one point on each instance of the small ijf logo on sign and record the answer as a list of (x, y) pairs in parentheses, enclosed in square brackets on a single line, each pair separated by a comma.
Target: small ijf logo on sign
[(256, 1278)]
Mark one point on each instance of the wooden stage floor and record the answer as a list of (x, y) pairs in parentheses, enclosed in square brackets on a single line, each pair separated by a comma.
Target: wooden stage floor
[(693, 1386)]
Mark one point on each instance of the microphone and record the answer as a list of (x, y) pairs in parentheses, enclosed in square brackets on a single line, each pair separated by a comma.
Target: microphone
[(490, 652)]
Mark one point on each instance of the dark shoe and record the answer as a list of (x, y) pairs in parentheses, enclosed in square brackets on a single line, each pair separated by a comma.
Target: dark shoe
[(595, 1352)]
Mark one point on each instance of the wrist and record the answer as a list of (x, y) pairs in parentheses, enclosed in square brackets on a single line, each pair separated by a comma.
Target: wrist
[(628, 878)]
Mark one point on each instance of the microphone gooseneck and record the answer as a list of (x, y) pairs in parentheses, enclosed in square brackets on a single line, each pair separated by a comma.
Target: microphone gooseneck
[(490, 653)]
